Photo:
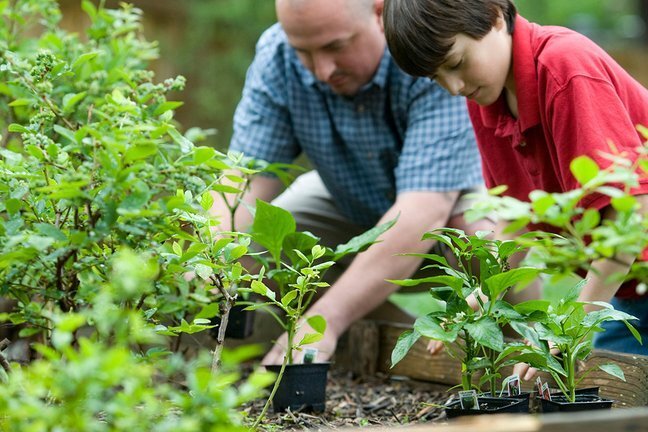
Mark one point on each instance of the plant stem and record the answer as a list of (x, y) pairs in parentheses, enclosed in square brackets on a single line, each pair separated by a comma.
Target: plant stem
[(225, 311), (272, 393)]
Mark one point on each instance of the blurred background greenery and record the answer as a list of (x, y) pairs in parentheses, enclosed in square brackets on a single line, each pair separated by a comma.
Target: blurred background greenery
[(211, 42)]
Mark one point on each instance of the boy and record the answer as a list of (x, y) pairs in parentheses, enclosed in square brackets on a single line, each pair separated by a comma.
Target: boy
[(538, 98)]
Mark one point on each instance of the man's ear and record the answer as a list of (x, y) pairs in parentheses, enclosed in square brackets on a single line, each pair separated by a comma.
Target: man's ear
[(378, 10)]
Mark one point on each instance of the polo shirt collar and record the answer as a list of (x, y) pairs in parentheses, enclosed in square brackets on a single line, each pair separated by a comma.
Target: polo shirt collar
[(525, 73), (497, 115)]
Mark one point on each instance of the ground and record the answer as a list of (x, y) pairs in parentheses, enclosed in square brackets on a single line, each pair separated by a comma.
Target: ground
[(354, 402)]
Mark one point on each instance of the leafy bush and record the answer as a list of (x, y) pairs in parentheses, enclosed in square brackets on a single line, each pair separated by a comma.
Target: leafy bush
[(103, 211)]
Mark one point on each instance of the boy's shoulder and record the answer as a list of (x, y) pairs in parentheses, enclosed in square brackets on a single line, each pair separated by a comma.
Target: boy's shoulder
[(563, 53)]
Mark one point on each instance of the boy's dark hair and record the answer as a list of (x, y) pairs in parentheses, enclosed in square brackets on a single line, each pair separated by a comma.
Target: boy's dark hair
[(420, 33)]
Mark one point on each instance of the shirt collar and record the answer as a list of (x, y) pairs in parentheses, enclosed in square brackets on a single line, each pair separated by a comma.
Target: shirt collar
[(526, 83)]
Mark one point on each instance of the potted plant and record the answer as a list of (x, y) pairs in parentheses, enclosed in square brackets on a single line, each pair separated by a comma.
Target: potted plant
[(471, 333), (295, 266), (567, 328), (584, 237)]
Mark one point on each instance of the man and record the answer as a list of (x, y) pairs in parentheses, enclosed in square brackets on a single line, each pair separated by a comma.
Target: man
[(383, 144)]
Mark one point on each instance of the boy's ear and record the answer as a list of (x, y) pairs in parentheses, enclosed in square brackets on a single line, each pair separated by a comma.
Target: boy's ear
[(500, 23)]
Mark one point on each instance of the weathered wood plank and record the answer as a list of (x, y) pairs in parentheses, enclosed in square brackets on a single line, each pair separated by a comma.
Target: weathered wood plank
[(632, 392)]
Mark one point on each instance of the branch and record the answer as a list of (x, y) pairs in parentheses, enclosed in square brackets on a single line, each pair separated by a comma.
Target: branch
[(3, 360)]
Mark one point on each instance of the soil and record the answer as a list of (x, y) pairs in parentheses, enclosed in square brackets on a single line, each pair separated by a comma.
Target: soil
[(355, 402)]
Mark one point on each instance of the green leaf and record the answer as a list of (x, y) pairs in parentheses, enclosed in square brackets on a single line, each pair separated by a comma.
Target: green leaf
[(84, 58), (361, 242), (206, 200), (451, 281), (614, 370), (16, 128), (486, 332), (298, 241), (140, 151), (289, 297), (498, 283), (225, 189), (204, 271), (317, 322), (185, 145), (310, 338), (166, 106), (208, 311), (203, 154), (430, 328), (66, 133), (405, 342), (20, 102), (261, 289), (70, 100), (584, 169), (271, 225), (70, 322), (624, 204)]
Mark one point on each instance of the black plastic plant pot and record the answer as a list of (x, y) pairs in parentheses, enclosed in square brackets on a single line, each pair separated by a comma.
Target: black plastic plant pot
[(584, 402), (240, 323), (302, 387), (489, 405)]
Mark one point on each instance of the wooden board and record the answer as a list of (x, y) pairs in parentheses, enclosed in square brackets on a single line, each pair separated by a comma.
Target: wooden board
[(635, 420)]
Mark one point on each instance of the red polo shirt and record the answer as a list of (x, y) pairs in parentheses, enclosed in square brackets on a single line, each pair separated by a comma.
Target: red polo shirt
[(573, 99)]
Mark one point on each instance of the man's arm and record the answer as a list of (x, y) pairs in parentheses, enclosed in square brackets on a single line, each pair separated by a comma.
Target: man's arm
[(362, 287)]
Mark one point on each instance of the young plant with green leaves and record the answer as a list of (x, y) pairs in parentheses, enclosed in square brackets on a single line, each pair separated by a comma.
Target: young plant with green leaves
[(584, 235), (472, 289), (295, 268), (566, 328)]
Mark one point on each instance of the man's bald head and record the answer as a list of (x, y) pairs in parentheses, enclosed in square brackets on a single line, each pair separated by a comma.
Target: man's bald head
[(356, 7)]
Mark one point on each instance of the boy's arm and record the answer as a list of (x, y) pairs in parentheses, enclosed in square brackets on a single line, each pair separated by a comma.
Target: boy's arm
[(599, 286)]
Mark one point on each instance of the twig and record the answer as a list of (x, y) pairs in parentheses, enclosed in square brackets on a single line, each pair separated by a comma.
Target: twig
[(3, 360), (230, 300)]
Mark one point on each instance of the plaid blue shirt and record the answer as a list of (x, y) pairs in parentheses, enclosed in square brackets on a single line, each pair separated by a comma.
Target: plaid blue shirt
[(398, 134)]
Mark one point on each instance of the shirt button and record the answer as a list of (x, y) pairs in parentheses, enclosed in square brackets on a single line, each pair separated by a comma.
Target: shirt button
[(523, 144), (370, 155), (360, 108)]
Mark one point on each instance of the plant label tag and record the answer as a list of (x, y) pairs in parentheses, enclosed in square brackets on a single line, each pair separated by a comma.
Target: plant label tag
[(546, 394), (513, 385), (538, 383), (309, 355), (468, 399)]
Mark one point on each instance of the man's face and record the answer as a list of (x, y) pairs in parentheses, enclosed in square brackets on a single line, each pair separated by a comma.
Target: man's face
[(342, 47), (478, 69)]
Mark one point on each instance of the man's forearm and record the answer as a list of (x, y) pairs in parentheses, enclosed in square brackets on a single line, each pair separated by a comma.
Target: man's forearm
[(362, 287)]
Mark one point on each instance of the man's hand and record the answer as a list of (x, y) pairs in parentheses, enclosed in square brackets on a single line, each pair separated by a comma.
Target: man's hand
[(325, 347)]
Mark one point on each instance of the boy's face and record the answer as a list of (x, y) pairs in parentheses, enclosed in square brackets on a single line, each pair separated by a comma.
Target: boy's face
[(342, 47), (478, 69)]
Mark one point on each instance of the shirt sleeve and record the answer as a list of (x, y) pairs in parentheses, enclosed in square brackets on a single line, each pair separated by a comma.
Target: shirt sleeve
[(588, 117), (439, 150), (262, 124)]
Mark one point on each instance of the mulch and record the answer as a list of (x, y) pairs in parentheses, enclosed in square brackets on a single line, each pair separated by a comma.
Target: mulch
[(359, 402)]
